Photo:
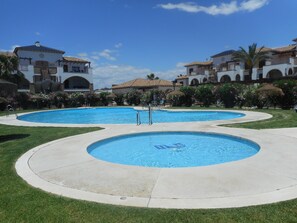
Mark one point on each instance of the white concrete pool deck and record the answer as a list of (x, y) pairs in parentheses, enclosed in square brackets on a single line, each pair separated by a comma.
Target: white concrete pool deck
[(64, 167)]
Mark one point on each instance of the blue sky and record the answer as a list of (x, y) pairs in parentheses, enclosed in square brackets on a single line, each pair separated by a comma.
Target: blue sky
[(125, 39)]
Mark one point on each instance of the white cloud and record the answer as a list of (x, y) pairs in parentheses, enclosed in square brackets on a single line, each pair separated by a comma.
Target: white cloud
[(37, 33), (9, 50), (107, 54), (82, 54), (105, 75), (219, 9), (118, 45)]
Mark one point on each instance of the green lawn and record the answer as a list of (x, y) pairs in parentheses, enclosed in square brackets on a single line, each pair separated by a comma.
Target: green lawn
[(19, 202)]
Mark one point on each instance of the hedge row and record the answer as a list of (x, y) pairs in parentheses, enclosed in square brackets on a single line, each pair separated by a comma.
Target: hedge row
[(281, 93)]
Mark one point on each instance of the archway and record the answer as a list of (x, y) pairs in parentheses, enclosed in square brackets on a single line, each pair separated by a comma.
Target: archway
[(204, 80), (274, 74), (76, 83), (194, 82), (237, 77), (225, 78), (290, 72)]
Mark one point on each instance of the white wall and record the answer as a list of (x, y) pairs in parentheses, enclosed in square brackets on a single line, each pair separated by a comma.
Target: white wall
[(50, 57)]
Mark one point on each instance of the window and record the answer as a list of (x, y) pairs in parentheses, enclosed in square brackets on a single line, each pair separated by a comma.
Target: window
[(191, 70), (65, 68), (75, 69)]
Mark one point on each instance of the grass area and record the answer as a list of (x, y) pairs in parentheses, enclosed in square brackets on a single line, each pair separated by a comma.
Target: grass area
[(280, 119), (19, 202)]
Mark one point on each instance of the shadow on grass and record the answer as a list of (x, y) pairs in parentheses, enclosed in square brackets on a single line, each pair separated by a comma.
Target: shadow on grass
[(4, 138)]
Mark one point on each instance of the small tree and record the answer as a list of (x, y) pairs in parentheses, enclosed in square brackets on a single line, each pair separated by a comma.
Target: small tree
[(270, 95), (133, 97), (188, 95), (119, 99), (287, 87), (175, 98), (204, 94), (227, 94)]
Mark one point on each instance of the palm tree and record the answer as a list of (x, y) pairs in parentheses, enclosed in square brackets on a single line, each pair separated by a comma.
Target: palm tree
[(8, 68), (252, 57), (152, 76)]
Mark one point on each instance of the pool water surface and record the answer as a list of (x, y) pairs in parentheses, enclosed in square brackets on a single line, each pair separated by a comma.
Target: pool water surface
[(123, 116), (173, 149)]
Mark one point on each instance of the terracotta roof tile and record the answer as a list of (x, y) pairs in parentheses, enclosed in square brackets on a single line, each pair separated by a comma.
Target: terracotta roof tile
[(144, 83), (205, 63), (74, 59)]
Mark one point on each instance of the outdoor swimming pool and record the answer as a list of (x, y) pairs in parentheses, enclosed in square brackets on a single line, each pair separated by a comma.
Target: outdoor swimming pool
[(123, 116), (173, 149)]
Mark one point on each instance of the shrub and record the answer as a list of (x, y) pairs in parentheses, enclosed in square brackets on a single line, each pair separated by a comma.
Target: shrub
[(3, 103), (92, 99), (76, 100), (152, 97), (175, 98), (188, 91), (39, 100), (133, 97), (119, 99), (22, 100), (287, 87), (59, 99), (270, 95), (103, 99), (205, 95), (227, 94)]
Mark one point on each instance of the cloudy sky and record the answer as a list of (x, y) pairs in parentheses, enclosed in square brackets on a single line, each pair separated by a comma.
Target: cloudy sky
[(125, 39)]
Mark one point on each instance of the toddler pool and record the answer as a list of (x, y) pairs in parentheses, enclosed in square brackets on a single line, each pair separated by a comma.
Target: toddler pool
[(173, 149)]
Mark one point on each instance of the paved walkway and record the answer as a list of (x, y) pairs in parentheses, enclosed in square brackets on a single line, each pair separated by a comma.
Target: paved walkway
[(64, 167)]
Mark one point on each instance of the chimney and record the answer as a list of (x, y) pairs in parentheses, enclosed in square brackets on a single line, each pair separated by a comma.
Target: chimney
[(37, 43)]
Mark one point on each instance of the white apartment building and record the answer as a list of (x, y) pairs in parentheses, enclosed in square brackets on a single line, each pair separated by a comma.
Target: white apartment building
[(44, 67), (222, 67)]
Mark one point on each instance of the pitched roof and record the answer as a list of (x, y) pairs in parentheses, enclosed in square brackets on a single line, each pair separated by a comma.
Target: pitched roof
[(182, 77), (74, 59), (144, 83), (285, 49), (205, 63), (224, 53), (6, 82), (38, 48), (9, 54)]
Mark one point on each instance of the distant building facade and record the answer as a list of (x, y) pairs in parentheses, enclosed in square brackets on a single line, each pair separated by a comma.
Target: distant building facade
[(282, 62), (144, 85), (46, 69)]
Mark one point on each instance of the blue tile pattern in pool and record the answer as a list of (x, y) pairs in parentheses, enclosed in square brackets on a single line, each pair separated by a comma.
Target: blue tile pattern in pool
[(123, 116), (173, 149)]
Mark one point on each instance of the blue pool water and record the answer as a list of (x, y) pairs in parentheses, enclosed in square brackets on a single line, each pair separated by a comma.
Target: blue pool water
[(123, 116), (173, 149)]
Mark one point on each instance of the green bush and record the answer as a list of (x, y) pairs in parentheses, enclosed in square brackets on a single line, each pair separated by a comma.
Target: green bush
[(188, 91), (175, 98), (227, 94), (76, 99), (92, 99), (3, 103), (39, 101), (133, 97), (59, 99), (119, 99), (22, 100), (287, 86), (205, 94), (152, 97)]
